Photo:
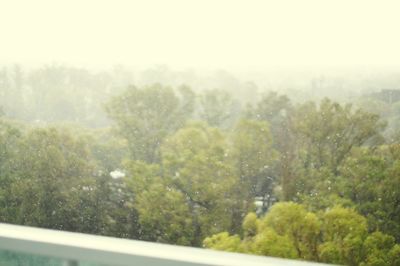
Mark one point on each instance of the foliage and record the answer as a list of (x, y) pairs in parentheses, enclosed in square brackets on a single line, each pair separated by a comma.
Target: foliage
[(288, 230), (144, 117), (217, 108), (198, 182), (52, 172), (253, 155)]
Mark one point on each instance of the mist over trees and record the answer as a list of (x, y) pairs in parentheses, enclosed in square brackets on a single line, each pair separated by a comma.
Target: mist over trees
[(206, 160)]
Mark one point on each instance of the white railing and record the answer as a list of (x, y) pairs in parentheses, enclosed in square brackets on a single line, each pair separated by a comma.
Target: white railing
[(76, 248)]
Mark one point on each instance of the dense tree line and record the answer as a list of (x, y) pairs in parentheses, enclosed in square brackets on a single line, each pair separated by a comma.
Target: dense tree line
[(54, 93), (194, 164)]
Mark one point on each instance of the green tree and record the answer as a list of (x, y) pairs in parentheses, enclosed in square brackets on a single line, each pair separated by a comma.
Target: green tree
[(370, 179), (269, 243), (394, 255), (344, 231), (390, 200), (144, 117), (265, 241), (10, 136), (377, 248), (302, 227), (53, 178), (196, 164), (191, 193), (277, 110), (330, 132), (223, 241), (217, 108), (254, 157), (338, 235), (162, 212), (164, 215), (325, 136)]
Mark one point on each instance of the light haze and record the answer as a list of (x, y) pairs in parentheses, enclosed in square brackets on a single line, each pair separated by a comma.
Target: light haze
[(202, 34)]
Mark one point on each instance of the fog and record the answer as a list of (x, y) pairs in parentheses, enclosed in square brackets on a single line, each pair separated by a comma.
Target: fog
[(308, 49), (343, 46), (231, 35)]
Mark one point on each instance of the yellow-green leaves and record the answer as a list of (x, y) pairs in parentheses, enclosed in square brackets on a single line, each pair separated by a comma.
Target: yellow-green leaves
[(223, 241), (288, 230)]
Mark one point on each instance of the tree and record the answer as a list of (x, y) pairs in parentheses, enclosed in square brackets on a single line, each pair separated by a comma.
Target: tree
[(122, 218), (390, 199), (330, 132), (258, 240), (344, 233), (269, 243), (378, 248), (144, 117), (325, 136), (164, 215), (338, 235), (272, 235), (160, 210), (277, 110), (217, 108), (108, 149), (394, 255), (254, 157), (195, 163), (302, 227), (223, 241), (9, 138), (53, 176), (192, 189), (370, 179)]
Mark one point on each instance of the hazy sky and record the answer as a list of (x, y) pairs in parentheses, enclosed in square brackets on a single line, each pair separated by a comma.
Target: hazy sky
[(203, 33)]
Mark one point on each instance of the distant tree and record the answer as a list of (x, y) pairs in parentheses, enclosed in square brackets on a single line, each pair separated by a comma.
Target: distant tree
[(330, 131), (277, 110), (254, 158), (272, 108), (144, 117), (4, 88), (217, 108), (324, 137), (10, 135), (108, 149)]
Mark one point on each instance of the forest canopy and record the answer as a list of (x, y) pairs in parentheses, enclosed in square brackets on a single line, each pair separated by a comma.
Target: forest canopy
[(263, 174)]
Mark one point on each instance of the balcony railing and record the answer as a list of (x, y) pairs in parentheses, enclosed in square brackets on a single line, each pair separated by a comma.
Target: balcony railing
[(21, 245)]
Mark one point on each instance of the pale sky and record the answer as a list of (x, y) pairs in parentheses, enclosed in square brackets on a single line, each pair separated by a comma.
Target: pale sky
[(202, 33)]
